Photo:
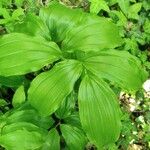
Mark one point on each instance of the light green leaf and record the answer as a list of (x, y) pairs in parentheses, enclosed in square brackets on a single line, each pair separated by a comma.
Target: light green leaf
[(21, 126), (147, 26), (48, 90), (124, 6), (122, 20), (19, 96), (5, 13), (60, 19), (74, 137), (21, 140), (19, 2), (28, 115), (119, 67), (93, 34), (99, 111), (17, 13), (34, 26), (21, 54), (97, 5), (52, 141), (133, 11)]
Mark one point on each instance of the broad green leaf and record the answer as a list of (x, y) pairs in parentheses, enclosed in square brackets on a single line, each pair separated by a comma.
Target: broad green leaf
[(77, 30), (119, 67), (34, 26), (133, 11), (49, 89), (52, 141), (21, 126), (29, 115), (92, 35), (97, 5), (74, 137), (21, 54), (99, 111), (60, 19), (19, 96), (21, 140), (11, 81)]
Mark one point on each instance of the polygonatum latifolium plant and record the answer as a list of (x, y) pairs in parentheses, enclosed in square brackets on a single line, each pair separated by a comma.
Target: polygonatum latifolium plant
[(81, 49)]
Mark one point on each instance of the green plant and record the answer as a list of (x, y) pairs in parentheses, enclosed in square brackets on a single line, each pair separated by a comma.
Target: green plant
[(80, 49)]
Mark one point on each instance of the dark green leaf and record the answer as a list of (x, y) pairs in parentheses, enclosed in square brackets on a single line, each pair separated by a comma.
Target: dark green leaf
[(3, 103), (11, 81)]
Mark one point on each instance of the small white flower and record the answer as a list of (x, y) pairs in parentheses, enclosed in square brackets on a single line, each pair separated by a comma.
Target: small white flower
[(132, 107), (134, 132), (141, 118), (146, 85), (131, 100)]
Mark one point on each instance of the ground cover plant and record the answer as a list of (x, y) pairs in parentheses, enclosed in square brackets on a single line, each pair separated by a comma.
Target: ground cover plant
[(62, 69)]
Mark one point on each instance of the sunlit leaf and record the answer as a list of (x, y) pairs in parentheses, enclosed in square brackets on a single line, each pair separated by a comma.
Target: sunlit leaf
[(94, 34), (119, 67), (34, 26), (27, 115), (21, 140), (133, 10), (48, 90), (99, 111), (97, 5), (60, 19), (19, 96), (20, 54)]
